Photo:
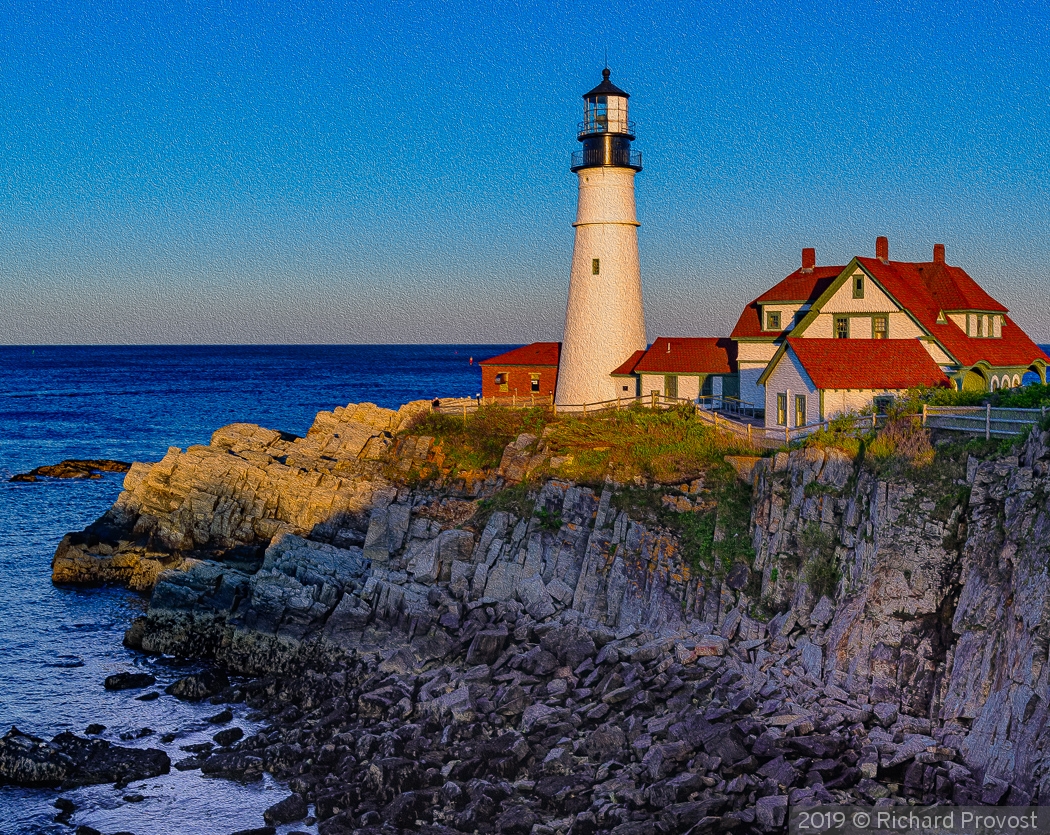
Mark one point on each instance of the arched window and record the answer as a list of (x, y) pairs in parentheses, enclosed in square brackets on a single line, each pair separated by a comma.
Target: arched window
[(1017, 380), (994, 384)]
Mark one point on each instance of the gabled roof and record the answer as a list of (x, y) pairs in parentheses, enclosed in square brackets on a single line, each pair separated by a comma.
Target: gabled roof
[(953, 289), (906, 283), (862, 363), (799, 287), (627, 369), (688, 355), (537, 353)]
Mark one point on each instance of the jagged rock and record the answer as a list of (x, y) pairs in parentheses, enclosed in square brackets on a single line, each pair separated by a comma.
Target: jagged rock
[(292, 808), (69, 760), (129, 681), (74, 468), (193, 688)]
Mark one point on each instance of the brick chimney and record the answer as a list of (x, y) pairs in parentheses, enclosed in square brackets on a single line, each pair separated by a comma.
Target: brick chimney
[(882, 248), (809, 259), (938, 253)]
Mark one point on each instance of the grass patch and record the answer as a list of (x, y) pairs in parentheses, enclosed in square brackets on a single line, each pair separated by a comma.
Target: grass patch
[(816, 488), (549, 520), (518, 500), (666, 446), (477, 442)]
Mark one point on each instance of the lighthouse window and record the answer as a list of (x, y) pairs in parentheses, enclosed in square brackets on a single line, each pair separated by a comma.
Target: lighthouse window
[(601, 112), (595, 266)]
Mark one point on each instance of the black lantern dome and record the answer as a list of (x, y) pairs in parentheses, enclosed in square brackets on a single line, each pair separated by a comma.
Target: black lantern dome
[(606, 131)]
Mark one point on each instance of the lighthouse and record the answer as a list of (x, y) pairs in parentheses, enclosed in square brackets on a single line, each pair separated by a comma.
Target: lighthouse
[(604, 322)]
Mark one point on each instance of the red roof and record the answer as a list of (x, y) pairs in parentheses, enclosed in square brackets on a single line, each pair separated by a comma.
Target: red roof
[(537, 353), (689, 355), (627, 368), (867, 363), (924, 290), (798, 287), (953, 289)]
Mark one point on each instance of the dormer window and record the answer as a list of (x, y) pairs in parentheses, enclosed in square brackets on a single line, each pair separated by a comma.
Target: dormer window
[(773, 320), (858, 287)]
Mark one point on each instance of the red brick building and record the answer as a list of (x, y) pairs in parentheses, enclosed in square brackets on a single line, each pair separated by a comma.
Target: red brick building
[(529, 371)]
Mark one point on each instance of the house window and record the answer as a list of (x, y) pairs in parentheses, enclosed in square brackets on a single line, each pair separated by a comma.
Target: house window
[(782, 409), (502, 380), (595, 266), (858, 287), (842, 327), (671, 385), (800, 410), (880, 326), (773, 320), (535, 382), (882, 403)]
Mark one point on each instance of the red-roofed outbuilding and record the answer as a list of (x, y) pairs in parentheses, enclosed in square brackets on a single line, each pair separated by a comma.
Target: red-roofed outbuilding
[(528, 371)]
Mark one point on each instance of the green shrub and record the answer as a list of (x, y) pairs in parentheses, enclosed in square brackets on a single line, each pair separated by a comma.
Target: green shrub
[(821, 567), (1025, 397)]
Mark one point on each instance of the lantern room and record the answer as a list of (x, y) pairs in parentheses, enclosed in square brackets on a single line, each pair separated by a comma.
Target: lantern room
[(605, 110), (606, 131)]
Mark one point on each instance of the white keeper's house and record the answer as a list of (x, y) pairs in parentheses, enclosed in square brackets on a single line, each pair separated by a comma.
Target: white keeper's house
[(821, 342), (828, 340)]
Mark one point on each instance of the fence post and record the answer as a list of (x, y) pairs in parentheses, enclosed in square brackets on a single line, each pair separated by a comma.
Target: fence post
[(585, 408), (874, 419), (514, 399), (987, 421), (532, 398), (749, 441), (653, 398), (554, 406), (787, 435), (924, 415)]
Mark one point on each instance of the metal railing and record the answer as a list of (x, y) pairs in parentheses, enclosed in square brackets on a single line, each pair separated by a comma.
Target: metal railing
[(601, 156), (592, 126)]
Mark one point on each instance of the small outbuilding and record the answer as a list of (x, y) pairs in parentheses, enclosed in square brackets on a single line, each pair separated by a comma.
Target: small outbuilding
[(528, 371), (688, 367)]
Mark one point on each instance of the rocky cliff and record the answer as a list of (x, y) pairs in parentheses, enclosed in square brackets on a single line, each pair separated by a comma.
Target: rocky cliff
[(944, 598), (886, 643)]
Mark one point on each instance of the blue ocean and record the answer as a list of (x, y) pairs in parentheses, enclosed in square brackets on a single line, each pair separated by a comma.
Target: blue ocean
[(57, 645)]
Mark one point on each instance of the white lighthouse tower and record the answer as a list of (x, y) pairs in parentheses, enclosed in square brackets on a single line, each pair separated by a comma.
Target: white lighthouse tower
[(604, 322)]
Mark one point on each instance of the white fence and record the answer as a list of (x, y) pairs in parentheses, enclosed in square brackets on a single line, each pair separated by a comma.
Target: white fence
[(981, 420), (725, 413)]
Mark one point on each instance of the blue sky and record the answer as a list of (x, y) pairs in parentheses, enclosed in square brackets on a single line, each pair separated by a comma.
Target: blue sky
[(320, 172)]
